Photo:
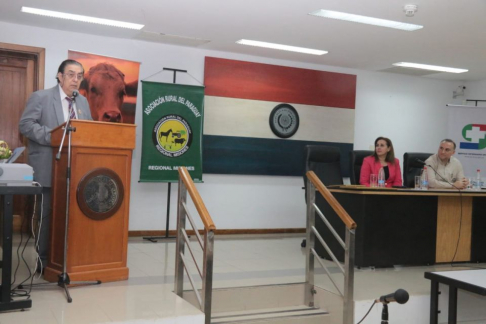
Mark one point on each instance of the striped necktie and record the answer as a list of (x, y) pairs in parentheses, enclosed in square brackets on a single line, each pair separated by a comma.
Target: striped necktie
[(72, 113)]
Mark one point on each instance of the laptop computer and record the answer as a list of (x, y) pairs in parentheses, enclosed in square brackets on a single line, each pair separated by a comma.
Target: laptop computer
[(15, 154)]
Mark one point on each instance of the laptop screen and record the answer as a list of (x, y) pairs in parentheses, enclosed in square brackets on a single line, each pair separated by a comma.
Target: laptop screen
[(15, 154)]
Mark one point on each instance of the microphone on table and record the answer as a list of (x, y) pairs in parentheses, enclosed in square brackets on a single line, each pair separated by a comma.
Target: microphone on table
[(421, 162), (400, 296)]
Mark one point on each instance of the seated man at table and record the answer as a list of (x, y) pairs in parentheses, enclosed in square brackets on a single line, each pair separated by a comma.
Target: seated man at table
[(446, 171)]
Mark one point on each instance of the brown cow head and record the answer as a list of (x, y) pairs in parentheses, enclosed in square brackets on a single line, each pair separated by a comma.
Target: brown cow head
[(104, 87)]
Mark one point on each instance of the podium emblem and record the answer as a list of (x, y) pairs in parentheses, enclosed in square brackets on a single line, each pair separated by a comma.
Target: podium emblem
[(100, 193)]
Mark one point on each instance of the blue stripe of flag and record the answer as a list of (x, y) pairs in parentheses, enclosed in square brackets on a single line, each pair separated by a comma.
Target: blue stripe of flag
[(261, 156)]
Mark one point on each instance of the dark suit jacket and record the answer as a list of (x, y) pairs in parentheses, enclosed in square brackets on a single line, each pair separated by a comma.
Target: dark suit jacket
[(42, 113)]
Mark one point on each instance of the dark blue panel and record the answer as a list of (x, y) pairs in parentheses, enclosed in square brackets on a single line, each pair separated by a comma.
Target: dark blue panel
[(261, 156), (471, 146)]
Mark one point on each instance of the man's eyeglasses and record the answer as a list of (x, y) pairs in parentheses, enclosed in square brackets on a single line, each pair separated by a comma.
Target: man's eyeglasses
[(72, 75)]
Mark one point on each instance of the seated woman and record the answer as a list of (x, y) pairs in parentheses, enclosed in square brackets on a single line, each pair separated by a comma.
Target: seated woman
[(384, 157)]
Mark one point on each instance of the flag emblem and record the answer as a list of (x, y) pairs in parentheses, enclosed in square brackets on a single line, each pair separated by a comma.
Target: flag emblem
[(284, 120), (475, 135)]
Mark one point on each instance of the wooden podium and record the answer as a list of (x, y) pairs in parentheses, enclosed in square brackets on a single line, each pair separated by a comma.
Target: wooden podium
[(101, 159)]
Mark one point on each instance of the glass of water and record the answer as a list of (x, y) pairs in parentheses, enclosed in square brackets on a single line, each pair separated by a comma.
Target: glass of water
[(417, 182), (373, 180)]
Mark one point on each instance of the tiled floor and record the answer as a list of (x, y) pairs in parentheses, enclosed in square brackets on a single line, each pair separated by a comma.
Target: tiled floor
[(239, 261)]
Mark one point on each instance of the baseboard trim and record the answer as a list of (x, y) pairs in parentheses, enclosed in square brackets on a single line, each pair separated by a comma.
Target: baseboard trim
[(223, 231)]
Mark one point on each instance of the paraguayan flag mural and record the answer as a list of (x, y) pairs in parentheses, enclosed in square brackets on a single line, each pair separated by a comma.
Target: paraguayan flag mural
[(259, 117)]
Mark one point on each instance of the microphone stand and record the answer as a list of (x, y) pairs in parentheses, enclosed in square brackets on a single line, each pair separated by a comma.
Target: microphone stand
[(400, 296), (64, 281), (384, 314)]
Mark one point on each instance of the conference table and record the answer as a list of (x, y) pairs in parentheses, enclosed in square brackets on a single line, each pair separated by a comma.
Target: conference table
[(399, 226), (473, 281), (6, 232)]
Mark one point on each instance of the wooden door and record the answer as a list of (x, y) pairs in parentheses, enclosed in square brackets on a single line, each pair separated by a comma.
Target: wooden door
[(21, 73)]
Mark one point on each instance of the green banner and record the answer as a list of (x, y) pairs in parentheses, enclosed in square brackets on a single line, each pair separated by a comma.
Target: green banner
[(172, 131)]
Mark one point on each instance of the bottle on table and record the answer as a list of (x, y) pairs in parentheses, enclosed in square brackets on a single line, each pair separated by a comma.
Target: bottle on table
[(478, 180), (381, 178), (424, 179)]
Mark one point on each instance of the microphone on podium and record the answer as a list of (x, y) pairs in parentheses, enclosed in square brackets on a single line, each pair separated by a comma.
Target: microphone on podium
[(58, 155), (400, 296)]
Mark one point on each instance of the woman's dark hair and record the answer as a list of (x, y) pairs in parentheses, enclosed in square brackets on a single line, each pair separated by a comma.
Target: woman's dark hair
[(62, 67), (390, 156)]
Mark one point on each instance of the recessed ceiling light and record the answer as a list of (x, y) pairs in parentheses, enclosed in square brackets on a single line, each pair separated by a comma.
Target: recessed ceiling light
[(365, 20), (281, 47), (63, 15), (430, 67)]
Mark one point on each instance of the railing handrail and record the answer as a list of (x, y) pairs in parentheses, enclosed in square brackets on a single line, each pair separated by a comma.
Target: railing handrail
[(347, 220), (205, 297), (196, 199), (312, 233)]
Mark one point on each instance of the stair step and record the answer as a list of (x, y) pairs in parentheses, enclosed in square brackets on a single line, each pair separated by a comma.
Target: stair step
[(266, 314)]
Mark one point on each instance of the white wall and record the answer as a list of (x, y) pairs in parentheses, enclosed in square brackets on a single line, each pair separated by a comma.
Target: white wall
[(409, 110), (476, 91)]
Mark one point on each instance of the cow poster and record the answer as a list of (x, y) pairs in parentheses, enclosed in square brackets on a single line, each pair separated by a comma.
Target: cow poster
[(172, 131), (110, 85)]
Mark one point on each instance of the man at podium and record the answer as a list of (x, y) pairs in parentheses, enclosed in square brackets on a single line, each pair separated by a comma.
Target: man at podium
[(45, 110)]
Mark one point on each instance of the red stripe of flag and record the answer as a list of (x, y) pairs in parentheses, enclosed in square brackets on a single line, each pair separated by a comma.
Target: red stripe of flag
[(257, 81)]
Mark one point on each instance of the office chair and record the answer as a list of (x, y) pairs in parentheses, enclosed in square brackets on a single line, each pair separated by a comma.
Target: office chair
[(412, 168), (325, 161), (355, 162)]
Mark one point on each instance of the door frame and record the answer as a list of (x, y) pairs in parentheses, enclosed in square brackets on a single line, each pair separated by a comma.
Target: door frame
[(39, 55)]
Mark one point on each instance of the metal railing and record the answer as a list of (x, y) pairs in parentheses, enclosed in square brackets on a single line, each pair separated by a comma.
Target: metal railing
[(207, 245), (314, 183)]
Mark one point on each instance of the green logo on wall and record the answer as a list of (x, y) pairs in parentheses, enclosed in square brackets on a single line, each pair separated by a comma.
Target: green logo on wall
[(172, 136)]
